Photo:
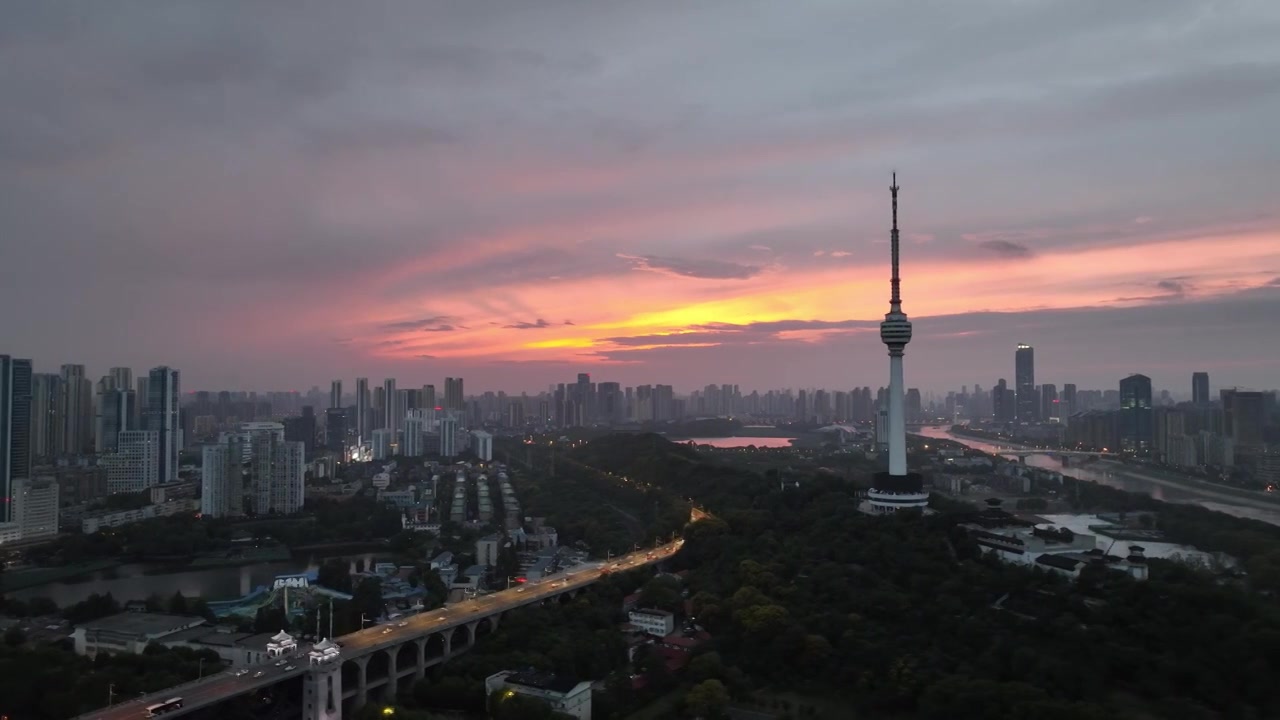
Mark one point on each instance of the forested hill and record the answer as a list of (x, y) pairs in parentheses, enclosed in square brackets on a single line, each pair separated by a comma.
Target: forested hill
[(902, 617)]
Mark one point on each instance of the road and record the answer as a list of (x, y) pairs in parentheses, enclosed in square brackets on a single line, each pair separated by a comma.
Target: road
[(216, 688)]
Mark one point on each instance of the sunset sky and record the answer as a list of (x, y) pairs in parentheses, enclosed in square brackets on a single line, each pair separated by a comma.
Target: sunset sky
[(272, 195)]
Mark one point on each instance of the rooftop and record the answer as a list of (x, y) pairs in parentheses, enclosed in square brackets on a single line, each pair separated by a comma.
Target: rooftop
[(652, 611), (542, 681), (131, 623)]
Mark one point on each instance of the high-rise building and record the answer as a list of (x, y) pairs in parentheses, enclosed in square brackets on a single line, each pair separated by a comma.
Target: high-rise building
[(484, 445), (15, 428), (1244, 417), (898, 488), (163, 391), (415, 428), (453, 398), (222, 479), (75, 409), (364, 417), (448, 436), (276, 474), (142, 391), (134, 466), (1135, 414), (335, 430), (1049, 402), (382, 443), (116, 413), (121, 378), (46, 428), (392, 413), (429, 396), (1025, 383), (335, 394), (1200, 388)]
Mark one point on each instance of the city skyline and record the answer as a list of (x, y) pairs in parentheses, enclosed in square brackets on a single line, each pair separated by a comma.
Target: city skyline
[(579, 205)]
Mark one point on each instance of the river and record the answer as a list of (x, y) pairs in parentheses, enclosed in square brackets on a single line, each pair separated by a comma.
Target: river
[(1120, 476), (137, 581)]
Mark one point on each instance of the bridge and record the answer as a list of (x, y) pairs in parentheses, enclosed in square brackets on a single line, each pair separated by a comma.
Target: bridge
[(1024, 453), (372, 662)]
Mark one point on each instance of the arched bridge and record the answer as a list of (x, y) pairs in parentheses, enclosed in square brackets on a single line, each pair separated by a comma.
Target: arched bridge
[(371, 663)]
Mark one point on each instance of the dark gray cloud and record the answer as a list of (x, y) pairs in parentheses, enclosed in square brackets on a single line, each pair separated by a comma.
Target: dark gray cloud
[(1006, 248), (1176, 286), (426, 324), (691, 268), (535, 325)]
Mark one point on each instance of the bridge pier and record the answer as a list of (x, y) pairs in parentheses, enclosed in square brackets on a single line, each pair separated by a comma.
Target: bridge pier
[(471, 632), (393, 681), (322, 693), (420, 670), (362, 681)]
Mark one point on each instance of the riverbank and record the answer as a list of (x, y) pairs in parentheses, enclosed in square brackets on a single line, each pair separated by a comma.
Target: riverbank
[(37, 576)]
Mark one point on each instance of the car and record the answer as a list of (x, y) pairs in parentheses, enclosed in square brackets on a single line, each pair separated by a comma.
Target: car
[(287, 668), (282, 663), (241, 673), (519, 589), (386, 631), (442, 618), (402, 623), (475, 609), (258, 674)]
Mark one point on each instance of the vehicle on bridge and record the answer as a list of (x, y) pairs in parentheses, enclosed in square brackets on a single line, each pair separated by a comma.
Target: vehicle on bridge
[(161, 708)]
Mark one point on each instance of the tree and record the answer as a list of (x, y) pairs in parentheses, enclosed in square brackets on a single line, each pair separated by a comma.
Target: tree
[(335, 575), (14, 636), (178, 604), (707, 699), (367, 598)]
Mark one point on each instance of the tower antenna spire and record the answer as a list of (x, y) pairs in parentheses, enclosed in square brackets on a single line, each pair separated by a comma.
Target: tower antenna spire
[(895, 282)]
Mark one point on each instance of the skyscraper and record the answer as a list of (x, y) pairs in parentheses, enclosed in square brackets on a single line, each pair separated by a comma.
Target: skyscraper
[(392, 415), (121, 378), (116, 414), (46, 428), (429, 396), (1135, 414), (1068, 405), (163, 390), (363, 428), (75, 409), (15, 428), (335, 394), (897, 488), (1025, 383), (1200, 388), (453, 395)]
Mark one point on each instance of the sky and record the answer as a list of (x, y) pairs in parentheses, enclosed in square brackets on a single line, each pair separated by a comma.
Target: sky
[(273, 195)]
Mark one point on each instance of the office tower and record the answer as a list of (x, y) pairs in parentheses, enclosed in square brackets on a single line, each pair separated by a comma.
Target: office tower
[(392, 415), (75, 408), (429, 396), (335, 394), (997, 400), (415, 428), (222, 478), (15, 428), (45, 425), (453, 395), (302, 428), (914, 408), (1025, 383), (163, 391), (335, 430), (448, 435), (897, 488), (121, 378), (1068, 401), (143, 394), (363, 426), (1200, 388), (35, 507), (116, 413), (276, 474), (1135, 414), (1049, 402), (135, 465)]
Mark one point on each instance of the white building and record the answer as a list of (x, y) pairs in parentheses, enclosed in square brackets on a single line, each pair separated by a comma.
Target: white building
[(35, 507), (135, 465), (129, 632), (382, 442), (564, 696), (93, 523), (415, 427), (277, 474), (487, 550), (654, 622), (448, 436), (245, 432), (484, 445)]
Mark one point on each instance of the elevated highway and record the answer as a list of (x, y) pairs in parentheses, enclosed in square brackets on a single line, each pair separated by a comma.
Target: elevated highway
[(373, 661)]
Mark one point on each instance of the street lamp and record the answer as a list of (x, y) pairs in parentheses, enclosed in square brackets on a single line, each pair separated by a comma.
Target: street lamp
[(364, 619), (200, 670)]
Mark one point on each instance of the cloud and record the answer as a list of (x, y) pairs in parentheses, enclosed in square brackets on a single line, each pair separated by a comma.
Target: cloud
[(537, 324), (1006, 248), (435, 323), (702, 269), (1177, 286), (425, 357)]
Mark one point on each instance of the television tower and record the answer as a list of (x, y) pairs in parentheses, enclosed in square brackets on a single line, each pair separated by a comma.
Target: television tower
[(897, 488)]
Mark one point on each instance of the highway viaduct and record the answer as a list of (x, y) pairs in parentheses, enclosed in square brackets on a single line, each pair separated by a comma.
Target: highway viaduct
[(372, 663)]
